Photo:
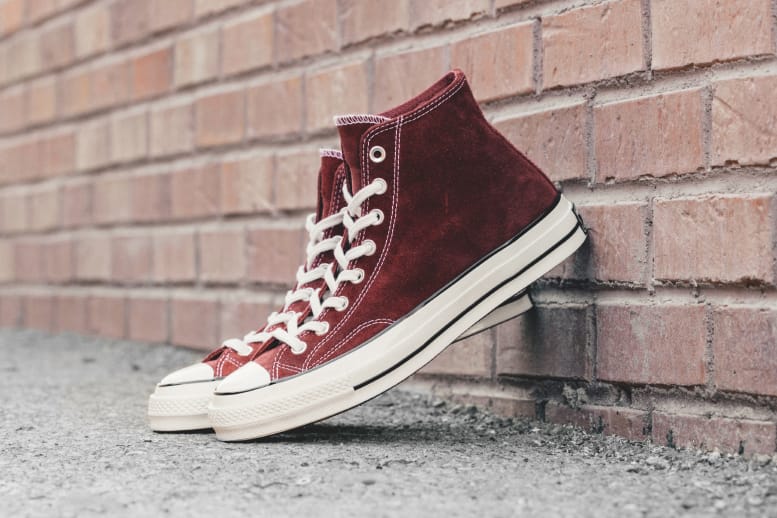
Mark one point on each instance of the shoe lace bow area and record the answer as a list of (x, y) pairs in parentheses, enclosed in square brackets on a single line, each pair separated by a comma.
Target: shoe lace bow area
[(284, 326)]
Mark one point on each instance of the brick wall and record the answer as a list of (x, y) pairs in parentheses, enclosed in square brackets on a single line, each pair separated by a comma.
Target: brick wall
[(157, 158)]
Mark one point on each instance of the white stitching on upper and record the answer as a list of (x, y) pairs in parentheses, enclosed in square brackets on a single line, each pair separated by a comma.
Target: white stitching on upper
[(331, 153), (360, 327), (359, 118)]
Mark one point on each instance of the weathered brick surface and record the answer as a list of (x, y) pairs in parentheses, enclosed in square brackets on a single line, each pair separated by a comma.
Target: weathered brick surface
[(657, 345), (732, 435), (157, 158), (705, 31), (715, 238)]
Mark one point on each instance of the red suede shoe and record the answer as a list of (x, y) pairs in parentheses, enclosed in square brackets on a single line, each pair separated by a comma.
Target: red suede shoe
[(447, 221), (180, 400)]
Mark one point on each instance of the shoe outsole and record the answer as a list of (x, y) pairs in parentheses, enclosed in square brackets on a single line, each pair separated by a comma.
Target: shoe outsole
[(406, 346)]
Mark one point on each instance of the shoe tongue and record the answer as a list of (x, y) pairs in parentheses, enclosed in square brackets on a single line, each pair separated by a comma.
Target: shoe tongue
[(351, 129), (331, 161)]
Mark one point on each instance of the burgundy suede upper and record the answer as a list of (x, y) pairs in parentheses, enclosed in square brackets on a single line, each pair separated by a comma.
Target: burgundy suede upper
[(331, 178), (456, 191)]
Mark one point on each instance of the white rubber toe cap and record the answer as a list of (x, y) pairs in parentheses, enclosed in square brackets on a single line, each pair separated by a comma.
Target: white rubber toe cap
[(190, 374), (248, 377)]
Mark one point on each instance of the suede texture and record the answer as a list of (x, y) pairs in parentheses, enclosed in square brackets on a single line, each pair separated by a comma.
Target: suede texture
[(457, 190), (331, 177)]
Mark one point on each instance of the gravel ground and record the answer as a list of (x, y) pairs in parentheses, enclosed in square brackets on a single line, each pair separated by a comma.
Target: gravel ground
[(73, 442)]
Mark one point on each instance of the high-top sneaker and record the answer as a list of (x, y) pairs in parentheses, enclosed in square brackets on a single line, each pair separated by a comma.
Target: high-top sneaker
[(180, 400), (447, 220)]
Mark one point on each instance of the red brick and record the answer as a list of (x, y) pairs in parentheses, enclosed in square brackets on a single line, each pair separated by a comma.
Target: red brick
[(40, 101), (92, 30), (195, 192), (26, 159), (57, 45), (10, 310), (58, 260), (592, 43), (11, 16), (71, 314), (150, 197), (129, 20), (58, 154), (306, 28), (111, 84), (14, 206), (93, 145), (274, 254), (364, 19), (656, 136), (7, 264), (111, 199), (129, 136), (76, 204), (38, 10), (197, 57), (609, 420), (546, 342), (275, 108), (469, 357), (39, 312), (335, 91), (247, 185), (107, 316), (220, 118), (706, 31), (222, 255), (29, 261), (195, 323), (658, 345), (205, 7), (247, 44), (296, 180), (12, 108), (167, 14), (239, 317), (730, 435), (76, 94), (714, 238), (44, 208), (402, 76), (148, 319), (93, 257), (554, 139), (174, 257), (617, 241), (742, 116), (508, 69), (23, 56), (131, 258), (152, 73), (744, 350), (172, 129), (436, 12)]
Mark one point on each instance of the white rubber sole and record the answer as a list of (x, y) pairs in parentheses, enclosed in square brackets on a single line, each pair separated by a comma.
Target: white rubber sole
[(180, 408), (510, 309), (405, 347)]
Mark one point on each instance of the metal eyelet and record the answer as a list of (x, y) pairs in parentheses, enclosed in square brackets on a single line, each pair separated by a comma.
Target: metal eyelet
[(372, 247), (377, 154), (383, 185), (380, 215), (360, 278), (323, 331)]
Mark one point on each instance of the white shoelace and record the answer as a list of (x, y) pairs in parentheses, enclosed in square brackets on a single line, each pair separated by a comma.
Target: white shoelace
[(316, 246), (333, 276)]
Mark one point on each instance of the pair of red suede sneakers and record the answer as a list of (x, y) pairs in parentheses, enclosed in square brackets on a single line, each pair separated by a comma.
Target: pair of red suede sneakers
[(428, 223)]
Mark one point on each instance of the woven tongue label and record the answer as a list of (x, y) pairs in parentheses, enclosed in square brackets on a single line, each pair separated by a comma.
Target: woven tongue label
[(359, 118)]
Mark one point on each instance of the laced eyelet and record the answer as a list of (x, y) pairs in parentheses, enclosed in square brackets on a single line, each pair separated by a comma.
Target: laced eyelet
[(372, 247), (324, 331), (380, 215), (377, 154), (360, 276), (343, 306), (383, 185), (297, 352)]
